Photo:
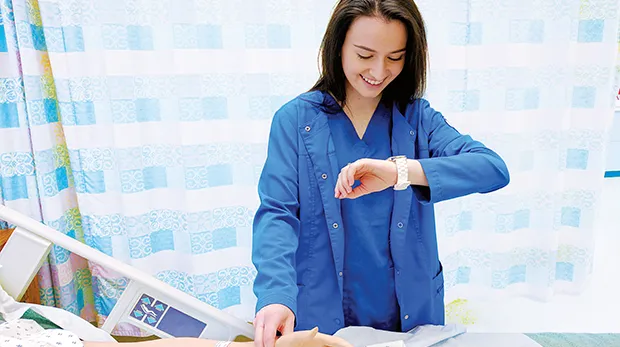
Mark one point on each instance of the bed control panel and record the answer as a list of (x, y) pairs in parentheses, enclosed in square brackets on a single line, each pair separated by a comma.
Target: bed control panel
[(155, 314)]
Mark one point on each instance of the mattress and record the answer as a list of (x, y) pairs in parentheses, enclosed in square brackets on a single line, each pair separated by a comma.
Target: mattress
[(532, 340), (576, 340)]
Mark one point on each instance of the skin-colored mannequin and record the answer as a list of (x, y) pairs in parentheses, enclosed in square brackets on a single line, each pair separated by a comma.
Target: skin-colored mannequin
[(310, 338)]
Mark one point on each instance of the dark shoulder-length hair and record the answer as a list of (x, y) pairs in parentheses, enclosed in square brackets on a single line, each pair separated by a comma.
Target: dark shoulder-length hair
[(410, 83)]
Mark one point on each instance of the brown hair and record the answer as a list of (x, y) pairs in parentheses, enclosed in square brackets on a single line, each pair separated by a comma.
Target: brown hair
[(410, 83)]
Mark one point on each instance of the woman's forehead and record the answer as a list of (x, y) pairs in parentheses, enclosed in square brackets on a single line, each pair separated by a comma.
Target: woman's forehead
[(377, 34)]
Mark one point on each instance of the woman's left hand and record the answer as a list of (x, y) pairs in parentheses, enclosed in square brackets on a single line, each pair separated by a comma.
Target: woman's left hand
[(374, 175)]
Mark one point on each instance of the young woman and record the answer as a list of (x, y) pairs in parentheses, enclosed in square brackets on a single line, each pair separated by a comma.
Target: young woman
[(345, 232)]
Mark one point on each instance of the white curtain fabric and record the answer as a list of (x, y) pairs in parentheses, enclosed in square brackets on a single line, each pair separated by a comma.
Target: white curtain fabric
[(164, 110), (533, 80)]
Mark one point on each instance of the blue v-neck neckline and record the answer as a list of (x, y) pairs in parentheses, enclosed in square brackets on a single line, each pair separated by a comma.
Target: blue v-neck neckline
[(369, 135)]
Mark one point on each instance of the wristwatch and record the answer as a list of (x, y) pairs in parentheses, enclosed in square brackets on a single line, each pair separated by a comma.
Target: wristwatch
[(402, 182)]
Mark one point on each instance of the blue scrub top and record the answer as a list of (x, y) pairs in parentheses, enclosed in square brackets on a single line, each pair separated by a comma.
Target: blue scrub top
[(369, 296), (298, 244)]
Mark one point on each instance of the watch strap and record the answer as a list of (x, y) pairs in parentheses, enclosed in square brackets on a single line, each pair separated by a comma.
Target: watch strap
[(402, 181)]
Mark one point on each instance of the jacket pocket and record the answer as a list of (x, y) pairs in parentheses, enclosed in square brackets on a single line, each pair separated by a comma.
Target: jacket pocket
[(438, 280), (438, 306)]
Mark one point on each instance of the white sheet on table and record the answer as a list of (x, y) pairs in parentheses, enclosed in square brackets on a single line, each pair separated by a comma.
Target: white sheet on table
[(451, 335), (489, 340), (422, 336)]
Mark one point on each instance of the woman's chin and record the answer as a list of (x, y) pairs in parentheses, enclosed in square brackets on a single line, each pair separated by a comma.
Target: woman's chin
[(370, 93)]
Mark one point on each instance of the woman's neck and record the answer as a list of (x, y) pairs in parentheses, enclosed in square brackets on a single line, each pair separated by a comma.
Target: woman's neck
[(361, 106)]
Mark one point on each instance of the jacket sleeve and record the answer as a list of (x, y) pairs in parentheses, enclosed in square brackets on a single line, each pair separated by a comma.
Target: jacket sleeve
[(276, 223), (458, 165)]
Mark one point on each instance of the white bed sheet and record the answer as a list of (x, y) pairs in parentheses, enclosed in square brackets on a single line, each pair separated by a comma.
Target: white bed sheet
[(451, 335), (490, 340)]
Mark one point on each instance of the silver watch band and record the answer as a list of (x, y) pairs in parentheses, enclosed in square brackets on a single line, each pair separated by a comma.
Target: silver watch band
[(402, 181)]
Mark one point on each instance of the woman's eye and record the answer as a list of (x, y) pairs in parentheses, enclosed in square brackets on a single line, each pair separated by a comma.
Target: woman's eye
[(364, 56), (396, 59)]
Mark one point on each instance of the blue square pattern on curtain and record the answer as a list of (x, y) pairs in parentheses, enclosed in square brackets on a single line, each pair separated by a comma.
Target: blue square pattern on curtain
[(158, 127), (3, 41), (496, 95), (10, 117)]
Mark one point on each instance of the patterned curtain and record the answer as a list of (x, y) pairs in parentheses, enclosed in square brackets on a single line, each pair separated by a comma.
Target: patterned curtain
[(535, 81), (35, 171), (139, 127)]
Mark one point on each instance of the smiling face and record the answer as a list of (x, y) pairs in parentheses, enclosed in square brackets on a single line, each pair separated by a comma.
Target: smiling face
[(373, 55)]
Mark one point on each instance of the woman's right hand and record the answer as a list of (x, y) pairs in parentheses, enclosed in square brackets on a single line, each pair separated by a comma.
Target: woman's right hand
[(269, 320), (311, 338)]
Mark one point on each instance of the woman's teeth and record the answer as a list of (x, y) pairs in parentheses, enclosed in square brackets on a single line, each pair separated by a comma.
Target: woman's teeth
[(373, 82)]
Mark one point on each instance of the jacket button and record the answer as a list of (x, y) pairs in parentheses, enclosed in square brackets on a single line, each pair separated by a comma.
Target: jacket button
[(324, 176), (397, 272), (337, 321), (340, 274), (412, 133), (406, 316), (400, 225), (307, 128), (335, 225)]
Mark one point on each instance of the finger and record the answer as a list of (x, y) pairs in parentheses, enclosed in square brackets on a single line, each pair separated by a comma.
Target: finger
[(342, 180), (342, 186), (348, 182), (336, 189), (269, 334), (337, 194), (351, 175), (357, 192), (259, 326), (341, 190), (288, 325)]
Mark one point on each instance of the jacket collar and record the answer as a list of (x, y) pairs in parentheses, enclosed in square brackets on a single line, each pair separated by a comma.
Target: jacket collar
[(317, 138)]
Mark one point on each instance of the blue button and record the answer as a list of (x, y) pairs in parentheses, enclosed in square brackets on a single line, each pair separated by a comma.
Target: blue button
[(397, 272), (337, 321)]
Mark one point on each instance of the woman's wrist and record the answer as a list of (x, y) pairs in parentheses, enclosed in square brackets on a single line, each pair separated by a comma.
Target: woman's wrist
[(417, 177)]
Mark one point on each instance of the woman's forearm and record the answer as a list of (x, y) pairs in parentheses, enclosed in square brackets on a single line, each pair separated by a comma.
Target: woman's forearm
[(417, 176)]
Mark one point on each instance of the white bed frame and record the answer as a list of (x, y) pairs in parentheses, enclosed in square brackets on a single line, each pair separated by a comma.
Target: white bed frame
[(30, 244)]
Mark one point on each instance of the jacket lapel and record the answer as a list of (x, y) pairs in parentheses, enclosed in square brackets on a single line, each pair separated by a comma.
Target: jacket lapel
[(403, 135), (317, 139), (403, 143), (320, 147)]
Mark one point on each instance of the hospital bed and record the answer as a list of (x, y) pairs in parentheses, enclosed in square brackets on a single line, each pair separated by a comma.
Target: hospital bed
[(167, 312), (146, 303)]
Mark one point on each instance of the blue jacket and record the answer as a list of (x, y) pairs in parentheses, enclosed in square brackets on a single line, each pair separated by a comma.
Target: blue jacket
[(298, 244)]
